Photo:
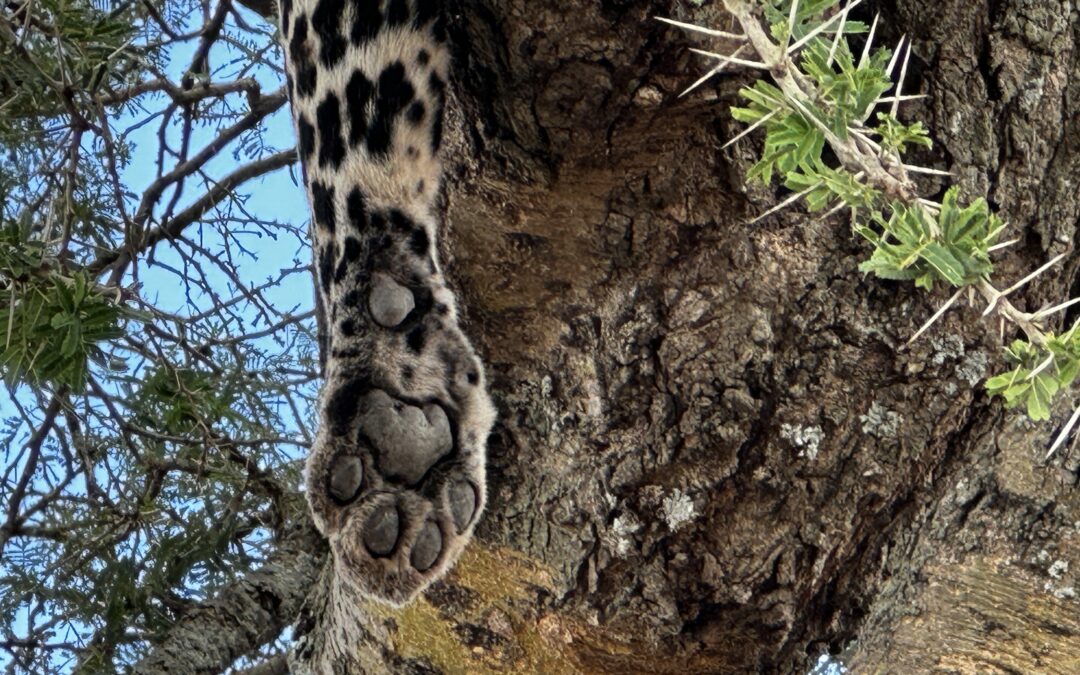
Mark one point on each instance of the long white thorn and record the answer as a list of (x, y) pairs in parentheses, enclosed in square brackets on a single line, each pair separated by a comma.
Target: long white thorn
[(790, 27), (701, 29), (869, 41), (895, 99), (787, 202), (992, 305), (895, 55), (1061, 438), (1042, 313), (922, 169), (1004, 244), (839, 34), (1023, 282), (937, 315), (834, 210), (871, 143), (705, 78), (750, 128), (731, 59), (900, 81), (1041, 367), (823, 26)]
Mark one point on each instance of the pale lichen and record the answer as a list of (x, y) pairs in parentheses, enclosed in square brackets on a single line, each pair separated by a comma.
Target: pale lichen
[(806, 439), (678, 510), (880, 421)]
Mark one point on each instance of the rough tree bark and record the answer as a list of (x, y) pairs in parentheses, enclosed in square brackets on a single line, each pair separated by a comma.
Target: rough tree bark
[(713, 453)]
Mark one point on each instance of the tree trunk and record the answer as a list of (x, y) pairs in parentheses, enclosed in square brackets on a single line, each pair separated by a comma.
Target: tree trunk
[(714, 452)]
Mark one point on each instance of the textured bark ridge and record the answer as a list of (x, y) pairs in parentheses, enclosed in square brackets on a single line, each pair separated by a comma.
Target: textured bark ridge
[(395, 478)]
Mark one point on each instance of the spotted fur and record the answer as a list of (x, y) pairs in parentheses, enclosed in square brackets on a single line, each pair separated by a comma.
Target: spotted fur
[(396, 475)]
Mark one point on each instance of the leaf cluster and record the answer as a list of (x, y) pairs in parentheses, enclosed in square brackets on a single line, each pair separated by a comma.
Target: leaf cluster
[(846, 91), (180, 401), (1039, 372), (59, 46), (912, 245), (807, 16), (51, 325)]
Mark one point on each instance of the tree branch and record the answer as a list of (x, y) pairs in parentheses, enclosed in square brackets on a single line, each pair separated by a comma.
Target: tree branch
[(215, 195), (245, 615)]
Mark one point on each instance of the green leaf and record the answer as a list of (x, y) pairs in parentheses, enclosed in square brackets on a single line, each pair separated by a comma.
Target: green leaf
[(59, 320), (944, 263), (71, 342), (1042, 392)]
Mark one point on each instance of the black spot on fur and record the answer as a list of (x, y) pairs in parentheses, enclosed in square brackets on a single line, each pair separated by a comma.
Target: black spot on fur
[(358, 94), (407, 373), (378, 221), (328, 121), (415, 339), (357, 210), (326, 20), (326, 265), (299, 54), (298, 43), (394, 93), (415, 113), (352, 249), (307, 139), (473, 377), (423, 57), (367, 21), (419, 242), (322, 198), (341, 271), (348, 353), (286, 10), (383, 243), (397, 12), (352, 298), (438, 90), (401, 223), (348, 328), (442, 309), (343, 405)]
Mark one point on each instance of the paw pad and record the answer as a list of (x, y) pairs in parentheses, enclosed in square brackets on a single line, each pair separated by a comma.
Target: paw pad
[(346, 475), (381, 531), (463, 501), (426, 548), (389, 302), (409, 439)]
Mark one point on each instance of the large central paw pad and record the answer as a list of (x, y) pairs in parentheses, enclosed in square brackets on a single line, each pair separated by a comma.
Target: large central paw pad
[(409, 440), (397, 495)]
